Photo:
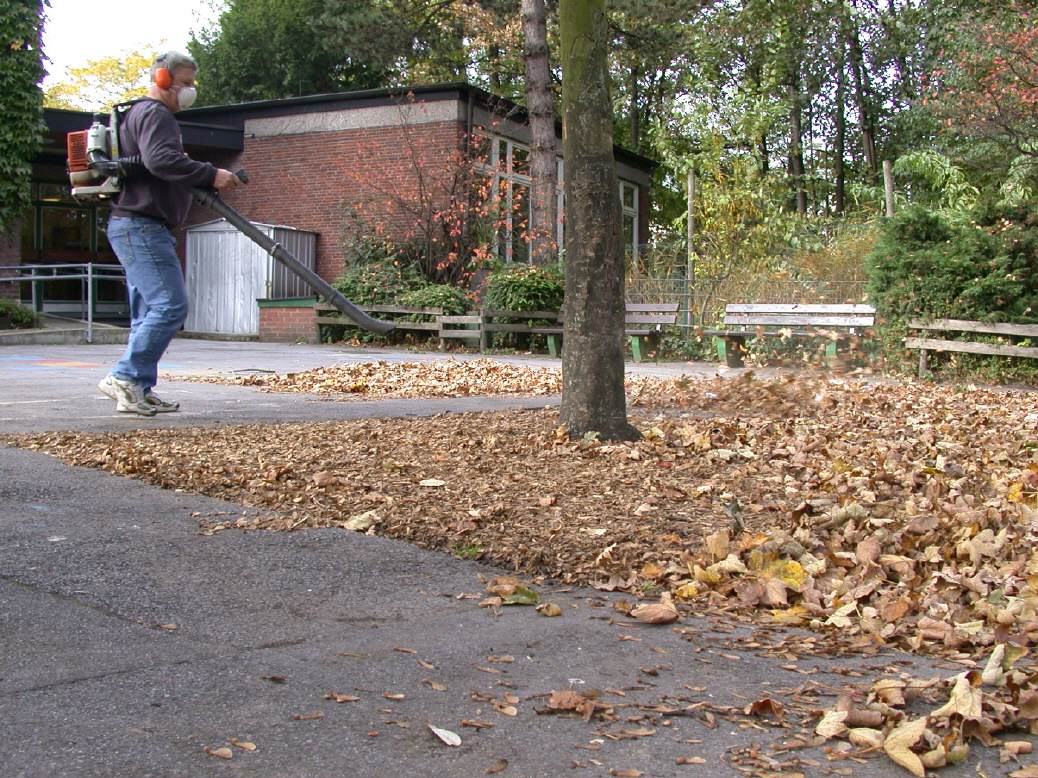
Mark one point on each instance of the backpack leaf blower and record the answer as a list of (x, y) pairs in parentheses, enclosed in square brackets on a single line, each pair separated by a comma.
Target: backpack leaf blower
[(96, 171)]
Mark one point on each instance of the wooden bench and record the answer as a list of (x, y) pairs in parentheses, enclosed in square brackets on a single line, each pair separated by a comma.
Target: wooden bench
[(926, 344), (547, 323), (840, 322), (398, 314), (643, 323)]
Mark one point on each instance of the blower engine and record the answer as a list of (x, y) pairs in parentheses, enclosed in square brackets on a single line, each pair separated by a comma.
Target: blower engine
[(96, 170), (94, 165)]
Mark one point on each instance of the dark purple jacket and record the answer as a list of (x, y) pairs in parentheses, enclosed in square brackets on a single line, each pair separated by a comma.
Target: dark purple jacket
[(164, 192)]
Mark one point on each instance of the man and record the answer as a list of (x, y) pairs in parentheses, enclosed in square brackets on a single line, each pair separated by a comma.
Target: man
[(145, 212)]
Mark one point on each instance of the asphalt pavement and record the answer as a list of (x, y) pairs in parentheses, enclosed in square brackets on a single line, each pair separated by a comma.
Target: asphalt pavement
[(129, 643)]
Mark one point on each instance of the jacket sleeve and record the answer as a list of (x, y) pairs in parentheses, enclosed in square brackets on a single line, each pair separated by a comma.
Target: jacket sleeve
[(158, 138)]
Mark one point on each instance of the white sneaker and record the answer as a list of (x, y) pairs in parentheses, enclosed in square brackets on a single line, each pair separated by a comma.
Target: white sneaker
[(128, 396)]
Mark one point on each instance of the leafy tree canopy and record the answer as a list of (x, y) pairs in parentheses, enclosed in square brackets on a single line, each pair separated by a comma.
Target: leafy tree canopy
[(101, 83)]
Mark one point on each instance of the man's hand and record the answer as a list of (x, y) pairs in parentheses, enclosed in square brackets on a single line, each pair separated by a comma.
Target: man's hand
[(225, 179)]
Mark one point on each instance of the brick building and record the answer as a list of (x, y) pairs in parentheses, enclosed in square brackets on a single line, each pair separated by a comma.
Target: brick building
[(310, 161)]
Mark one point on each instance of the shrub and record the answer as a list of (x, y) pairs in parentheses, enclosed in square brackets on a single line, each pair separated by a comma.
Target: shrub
[(980, 265), (449, 298), (525, 288), (15, 316), (380, 281)]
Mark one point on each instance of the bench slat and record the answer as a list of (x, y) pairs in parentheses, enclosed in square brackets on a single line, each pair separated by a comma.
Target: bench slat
[(661, 307), (931, 344), (835, 308), (963, 325), (490, 312), (799, 320), (459, 319), (642, 318)]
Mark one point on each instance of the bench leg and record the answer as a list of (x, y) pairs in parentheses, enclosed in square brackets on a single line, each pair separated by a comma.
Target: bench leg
[(553, 345), (719, 347), (922, 363), (636, 348)]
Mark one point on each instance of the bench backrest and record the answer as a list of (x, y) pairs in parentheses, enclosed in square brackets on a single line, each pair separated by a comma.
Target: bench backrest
[(982, 327), (800, 314), (660, 314)]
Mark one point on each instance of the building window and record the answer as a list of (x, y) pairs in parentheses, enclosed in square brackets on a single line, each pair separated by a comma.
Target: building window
[(510, 164), (58, 230)]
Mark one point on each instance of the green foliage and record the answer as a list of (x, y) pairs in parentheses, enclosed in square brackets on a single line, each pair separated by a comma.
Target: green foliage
[(21, 102), (982, 267), (450, 299), (525, 288), (935, 179), (381, 281), (268, 49), (15, 316), (102, 82)]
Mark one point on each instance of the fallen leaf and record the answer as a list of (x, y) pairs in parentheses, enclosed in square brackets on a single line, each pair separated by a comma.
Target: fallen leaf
[(476, 724), (629, 773), (222, 753), (899, 742), (311, 716), (662, 612), (832, 724), (244, 745), (549, 609), (436, 686), (499, 766), (432, 483), (340, 698), (450, 738), (766, 707), (691, 760), (521, 595), (394, 695)]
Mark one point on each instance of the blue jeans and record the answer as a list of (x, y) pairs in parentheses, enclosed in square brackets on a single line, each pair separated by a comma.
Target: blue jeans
[(158, 300)]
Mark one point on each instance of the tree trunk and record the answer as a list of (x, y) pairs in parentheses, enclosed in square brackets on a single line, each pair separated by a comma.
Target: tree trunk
[(840, 150), (541, 109), (861, 99), (593, 350), (636, 129), (796, 143)]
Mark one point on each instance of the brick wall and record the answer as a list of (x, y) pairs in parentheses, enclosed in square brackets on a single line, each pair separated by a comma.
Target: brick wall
[(11, 254), (288, 320), (307, 180)]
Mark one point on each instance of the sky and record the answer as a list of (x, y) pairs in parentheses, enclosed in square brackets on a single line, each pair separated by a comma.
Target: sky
[(77, 31)]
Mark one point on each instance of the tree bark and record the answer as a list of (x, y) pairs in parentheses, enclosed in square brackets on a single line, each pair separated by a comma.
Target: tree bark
[(796, 142), (541, 110), (593, 397), (862, 98), (840, 150)]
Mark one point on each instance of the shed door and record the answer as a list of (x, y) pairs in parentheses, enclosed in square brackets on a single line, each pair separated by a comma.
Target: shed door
[(226, 273)]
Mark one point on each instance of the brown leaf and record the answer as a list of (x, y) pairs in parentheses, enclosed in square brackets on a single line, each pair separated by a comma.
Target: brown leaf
[(691, 760), (222, 753), (549, 609), (449, 738), (340, 698), (313, 715), (394, 695), (244, 745), (766, 707), (497, 767), (628, 773), (662, 612)]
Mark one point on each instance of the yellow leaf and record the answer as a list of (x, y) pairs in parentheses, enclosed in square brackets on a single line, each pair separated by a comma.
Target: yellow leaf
[(549, 609), (651, 571), (686, 591), (709, 577), (965, 701), (899, 742), (797, 614)]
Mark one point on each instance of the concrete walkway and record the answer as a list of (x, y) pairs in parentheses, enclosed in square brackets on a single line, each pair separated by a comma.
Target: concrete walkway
[(128, 642)]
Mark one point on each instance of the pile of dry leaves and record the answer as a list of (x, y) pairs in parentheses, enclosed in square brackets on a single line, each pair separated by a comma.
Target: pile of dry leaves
[(445, 378), (877, 514)]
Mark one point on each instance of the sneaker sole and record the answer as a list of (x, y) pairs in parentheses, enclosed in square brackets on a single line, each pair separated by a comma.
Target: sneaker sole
[(130, 409)]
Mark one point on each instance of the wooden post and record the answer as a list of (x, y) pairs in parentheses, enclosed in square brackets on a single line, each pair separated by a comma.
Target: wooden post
[(888, 186), (690, 274)]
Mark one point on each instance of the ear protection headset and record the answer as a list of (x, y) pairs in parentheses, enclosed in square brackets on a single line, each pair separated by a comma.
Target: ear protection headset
[(163, 78)]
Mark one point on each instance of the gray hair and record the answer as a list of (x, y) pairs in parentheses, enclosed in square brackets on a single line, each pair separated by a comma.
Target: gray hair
[(172, 61)]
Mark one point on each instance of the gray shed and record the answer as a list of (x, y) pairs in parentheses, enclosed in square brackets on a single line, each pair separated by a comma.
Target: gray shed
[(227, 273)]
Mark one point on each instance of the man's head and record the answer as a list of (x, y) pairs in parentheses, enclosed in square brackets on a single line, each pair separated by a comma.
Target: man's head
[(173, 80)]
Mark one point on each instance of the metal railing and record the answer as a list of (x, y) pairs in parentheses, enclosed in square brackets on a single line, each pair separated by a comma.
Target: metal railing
[(88, 275)]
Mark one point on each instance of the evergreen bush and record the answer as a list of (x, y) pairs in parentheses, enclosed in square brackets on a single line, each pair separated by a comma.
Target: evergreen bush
[(525, 288), (451, 300), (15, 316)]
